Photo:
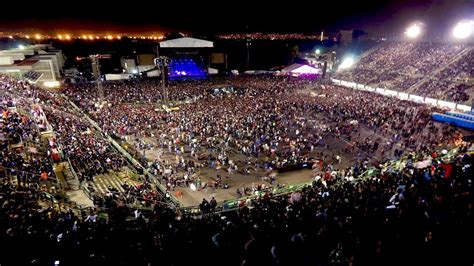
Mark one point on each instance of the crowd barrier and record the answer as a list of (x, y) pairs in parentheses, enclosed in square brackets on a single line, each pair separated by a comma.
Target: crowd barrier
[(469, 117), (460, 120), (405, 96)]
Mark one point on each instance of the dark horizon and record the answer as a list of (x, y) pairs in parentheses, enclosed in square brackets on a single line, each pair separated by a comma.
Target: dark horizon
[(370, 15)]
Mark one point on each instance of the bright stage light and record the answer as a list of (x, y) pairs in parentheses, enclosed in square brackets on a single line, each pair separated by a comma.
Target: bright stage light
[(347, 63), (463, 30), (413, 31)]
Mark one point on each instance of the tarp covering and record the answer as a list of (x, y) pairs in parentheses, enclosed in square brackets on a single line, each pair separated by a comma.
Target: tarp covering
[(450, 119)]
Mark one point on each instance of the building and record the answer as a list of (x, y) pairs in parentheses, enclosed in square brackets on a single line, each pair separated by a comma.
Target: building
[(345, 37), (40, 64)]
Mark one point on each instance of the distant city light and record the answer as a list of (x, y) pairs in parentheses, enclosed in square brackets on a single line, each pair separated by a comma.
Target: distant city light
[(27, 36), (347, 63), (318, 51), (38, 36), (21, 47), (413, 31), (68, 37), (463, 29), (60, 37), (11, 37)]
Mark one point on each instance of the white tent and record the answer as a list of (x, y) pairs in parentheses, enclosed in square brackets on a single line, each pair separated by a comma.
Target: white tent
[(300, 69), (186, 42)]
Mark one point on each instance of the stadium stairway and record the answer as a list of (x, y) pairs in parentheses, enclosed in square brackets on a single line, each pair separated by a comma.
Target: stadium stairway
[(66, 177), (114, 180)]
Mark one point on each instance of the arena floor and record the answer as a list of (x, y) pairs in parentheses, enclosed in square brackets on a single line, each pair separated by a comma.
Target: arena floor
[(187, 197)]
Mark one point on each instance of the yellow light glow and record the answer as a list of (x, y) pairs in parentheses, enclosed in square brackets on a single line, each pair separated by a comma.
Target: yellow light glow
[(38, 36), (68, 37), (27, 36), (51, 84)]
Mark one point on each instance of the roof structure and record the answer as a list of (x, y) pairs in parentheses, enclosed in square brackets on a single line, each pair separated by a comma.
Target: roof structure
[(301, 69), (186, 42)]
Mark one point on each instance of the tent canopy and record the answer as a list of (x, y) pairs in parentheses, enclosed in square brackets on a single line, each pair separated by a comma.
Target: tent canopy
[(300, 69), (186, 42)]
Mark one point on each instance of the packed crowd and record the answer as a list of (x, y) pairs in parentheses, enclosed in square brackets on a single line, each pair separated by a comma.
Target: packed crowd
[(89, 153), (23, 160), (454, 79), (269, 36), (86, 96), (442, 68), (412, 216), (399, 216), (273, 121), (72, 138)]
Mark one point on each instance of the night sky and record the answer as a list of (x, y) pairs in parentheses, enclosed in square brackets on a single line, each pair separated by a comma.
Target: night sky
[(232, 16)]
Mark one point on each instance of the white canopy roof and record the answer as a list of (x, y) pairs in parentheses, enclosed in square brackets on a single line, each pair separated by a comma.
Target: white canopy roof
[(300, 69), (186, 42)]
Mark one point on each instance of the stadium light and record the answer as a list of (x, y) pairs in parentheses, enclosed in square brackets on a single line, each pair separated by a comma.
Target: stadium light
[(413, 31), (463, 29), (347, 63)]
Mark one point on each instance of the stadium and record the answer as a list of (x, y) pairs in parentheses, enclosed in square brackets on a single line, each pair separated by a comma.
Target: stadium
[(366, 162)]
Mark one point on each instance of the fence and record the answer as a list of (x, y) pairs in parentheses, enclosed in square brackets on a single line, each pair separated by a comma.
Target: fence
[(404, 96)]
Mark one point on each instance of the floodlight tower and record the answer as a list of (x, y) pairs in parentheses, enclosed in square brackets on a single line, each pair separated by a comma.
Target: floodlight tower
[(162, 63), (96, 71), (413, 31), (463, 29)]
